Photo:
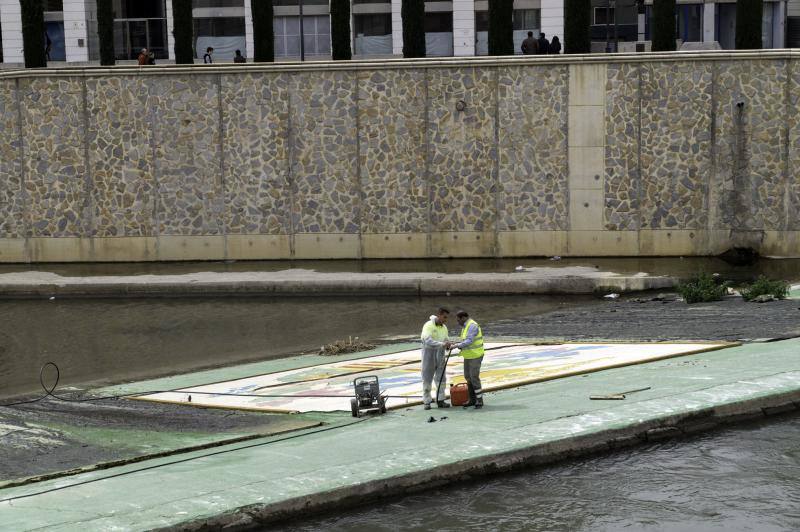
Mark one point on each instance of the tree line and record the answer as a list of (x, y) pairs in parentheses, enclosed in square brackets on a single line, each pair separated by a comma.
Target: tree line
[(577, 38)]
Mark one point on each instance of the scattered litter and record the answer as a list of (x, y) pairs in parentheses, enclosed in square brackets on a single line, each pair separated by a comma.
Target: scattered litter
[(339, 347), (616, 396), (611, 296), (431, 419), (764, 298), (519, 269), (52, 298), (442, 418), (556, 257)]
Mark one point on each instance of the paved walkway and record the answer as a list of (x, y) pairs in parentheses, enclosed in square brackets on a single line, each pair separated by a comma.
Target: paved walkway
[(540, 280), (401, 450)]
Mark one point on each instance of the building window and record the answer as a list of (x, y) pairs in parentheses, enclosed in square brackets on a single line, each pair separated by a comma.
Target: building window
[(224, 34), (600, 16), (690, 22), (439, 34), (526, 20), (317, 32), (373, 34), (217, 3), (140, 24)]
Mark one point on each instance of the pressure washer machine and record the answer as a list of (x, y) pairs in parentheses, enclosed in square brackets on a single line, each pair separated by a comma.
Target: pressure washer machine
[(368, 396)]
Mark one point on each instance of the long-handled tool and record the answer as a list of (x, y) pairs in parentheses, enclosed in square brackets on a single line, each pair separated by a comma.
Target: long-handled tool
[(441, 377), (615, 396)]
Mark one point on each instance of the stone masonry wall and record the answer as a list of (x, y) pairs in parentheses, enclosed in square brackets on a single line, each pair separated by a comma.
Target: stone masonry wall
[(397, 160)]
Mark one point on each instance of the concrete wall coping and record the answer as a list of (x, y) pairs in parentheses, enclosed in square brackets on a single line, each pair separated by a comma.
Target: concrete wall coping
[(388, 64)]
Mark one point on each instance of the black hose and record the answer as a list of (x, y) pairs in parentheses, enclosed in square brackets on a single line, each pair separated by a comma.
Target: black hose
[(441, 377)]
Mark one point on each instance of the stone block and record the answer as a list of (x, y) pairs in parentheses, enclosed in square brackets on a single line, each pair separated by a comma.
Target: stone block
[(586, 210), (463, 244), (586, 167), (532, 243), (585, 126), (257, 247), (587, 84), (394, 246), (13, 250), (63, 249), (327, 246), (172, 247), (124, 249), (603, 243)]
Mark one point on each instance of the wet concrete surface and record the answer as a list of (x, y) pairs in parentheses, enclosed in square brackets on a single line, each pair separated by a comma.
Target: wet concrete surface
[(52, 436)]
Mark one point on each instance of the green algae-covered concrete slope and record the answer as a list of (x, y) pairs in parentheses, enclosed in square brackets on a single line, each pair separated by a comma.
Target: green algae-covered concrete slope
[(239, 485)]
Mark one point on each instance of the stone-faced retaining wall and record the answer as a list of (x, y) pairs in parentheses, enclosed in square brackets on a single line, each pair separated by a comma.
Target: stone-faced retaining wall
[(650, 154)]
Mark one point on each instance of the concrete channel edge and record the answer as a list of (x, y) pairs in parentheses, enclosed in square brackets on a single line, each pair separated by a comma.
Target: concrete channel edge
[(678, 425)]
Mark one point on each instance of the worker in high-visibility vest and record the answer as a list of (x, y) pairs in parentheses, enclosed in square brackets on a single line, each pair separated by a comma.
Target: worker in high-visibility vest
[(471, 349), (434, 337)]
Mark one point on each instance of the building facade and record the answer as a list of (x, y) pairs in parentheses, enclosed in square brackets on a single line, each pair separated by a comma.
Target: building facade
[(616, 24), (453, 28)]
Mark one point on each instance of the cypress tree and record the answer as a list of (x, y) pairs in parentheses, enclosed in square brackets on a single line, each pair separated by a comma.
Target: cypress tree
[(748, 24), (664, 31), (182, 30), (340, 30), (501, 27), (263, 32), (105, 31), (413, 15), (577, 22), (33, 40)]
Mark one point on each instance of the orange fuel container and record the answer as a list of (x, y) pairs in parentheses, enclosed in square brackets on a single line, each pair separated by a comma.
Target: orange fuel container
[(459, 394)]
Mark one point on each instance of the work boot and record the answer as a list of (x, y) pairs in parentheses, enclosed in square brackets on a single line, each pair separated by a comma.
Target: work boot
[(478, 403), (427, 406), (469, 404), (443, 404)]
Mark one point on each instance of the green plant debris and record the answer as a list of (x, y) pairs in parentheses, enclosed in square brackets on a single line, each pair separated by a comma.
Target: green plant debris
[(764, 286), (351, 345), (703, 288)]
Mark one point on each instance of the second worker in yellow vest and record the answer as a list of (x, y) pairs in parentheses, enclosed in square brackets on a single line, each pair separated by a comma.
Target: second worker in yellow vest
[(471, 349)]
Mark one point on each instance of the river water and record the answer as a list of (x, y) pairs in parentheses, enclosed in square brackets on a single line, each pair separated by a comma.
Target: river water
[(744, 478), (113, 340)]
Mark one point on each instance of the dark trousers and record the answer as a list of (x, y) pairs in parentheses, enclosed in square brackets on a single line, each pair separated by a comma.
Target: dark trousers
[(472, 374)]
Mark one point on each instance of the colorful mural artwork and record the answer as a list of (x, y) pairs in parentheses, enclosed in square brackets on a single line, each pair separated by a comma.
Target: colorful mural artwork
[(329, 387)]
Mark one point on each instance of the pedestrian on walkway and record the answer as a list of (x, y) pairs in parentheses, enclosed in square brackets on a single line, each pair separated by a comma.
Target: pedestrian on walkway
[(207, 57), (471, 349), (544, 44), (555, 46), (530, 46), (434, 337), (239, 58)]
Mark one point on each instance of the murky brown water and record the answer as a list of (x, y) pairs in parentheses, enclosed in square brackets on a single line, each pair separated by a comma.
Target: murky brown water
[(739, 479), (109, 340)]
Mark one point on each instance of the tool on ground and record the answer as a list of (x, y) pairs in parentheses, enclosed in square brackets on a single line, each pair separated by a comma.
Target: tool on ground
[(616, 396), (444, 368), (368, 396)]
